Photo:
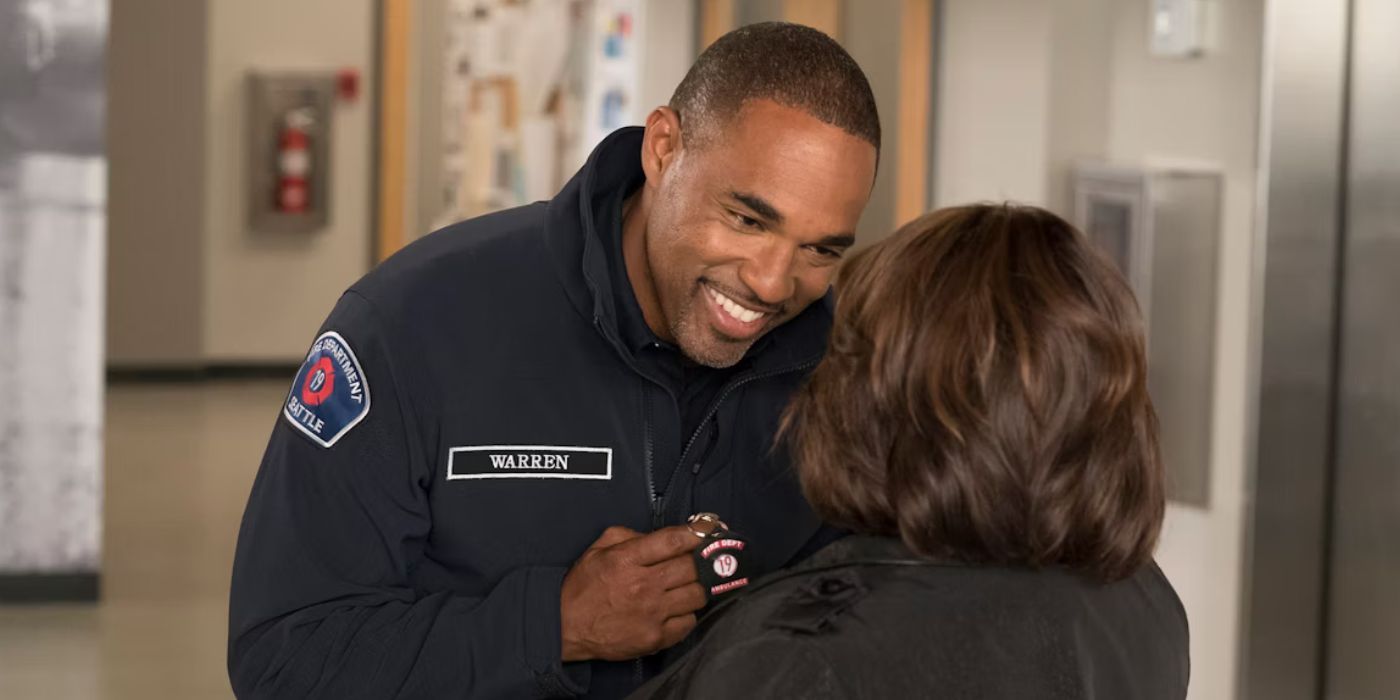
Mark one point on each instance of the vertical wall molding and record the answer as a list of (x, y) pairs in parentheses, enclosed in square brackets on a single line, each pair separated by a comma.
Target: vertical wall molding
[(396, 27)]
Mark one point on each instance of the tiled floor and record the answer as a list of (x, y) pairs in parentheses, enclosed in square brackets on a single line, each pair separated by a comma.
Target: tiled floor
[(180, 460)]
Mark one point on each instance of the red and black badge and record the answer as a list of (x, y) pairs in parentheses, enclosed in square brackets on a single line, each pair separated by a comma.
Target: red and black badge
[(320, 383), (720, 560)]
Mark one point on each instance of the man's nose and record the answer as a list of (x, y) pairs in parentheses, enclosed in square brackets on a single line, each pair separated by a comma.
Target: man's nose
[(769, 275)]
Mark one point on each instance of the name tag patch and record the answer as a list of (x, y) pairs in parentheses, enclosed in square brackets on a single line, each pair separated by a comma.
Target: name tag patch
[(529, 462), (330, 394)]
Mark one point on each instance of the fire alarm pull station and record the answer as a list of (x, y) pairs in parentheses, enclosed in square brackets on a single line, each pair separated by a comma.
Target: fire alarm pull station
[(289, 151)]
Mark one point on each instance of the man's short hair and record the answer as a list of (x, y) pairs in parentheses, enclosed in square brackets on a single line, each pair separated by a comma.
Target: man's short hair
[(790, 64), (984, 398)]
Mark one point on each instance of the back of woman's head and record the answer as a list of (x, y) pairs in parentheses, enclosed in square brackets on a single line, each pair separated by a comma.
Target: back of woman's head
[(984, 398)]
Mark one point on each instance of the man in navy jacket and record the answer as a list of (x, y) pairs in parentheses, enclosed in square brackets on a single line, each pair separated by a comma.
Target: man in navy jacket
[(453, 501)]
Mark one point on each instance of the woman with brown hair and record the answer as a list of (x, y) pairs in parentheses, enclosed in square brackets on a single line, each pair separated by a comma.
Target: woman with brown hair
[(981, 423)]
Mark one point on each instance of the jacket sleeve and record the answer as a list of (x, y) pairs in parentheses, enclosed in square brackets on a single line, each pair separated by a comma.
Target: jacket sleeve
[(321, 604)]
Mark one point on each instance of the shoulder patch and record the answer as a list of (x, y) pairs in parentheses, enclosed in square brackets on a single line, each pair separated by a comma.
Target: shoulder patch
[(330, 394)]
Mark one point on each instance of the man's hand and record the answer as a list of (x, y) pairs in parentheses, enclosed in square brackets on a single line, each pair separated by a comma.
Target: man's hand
[(630, 595)]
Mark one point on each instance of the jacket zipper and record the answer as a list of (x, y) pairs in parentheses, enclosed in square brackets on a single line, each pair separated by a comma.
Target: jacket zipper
[(714, 409), (649, 455), (648, 438), (657, 501)]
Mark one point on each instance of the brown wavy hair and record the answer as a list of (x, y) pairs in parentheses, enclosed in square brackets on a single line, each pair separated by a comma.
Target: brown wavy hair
[(984, 398)]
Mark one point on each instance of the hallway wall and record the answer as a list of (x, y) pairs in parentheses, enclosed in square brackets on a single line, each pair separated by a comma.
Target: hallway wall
[(191, 284), (1027, 89)]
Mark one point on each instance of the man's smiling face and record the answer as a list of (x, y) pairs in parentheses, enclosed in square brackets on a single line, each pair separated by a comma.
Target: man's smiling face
[(746, 230)]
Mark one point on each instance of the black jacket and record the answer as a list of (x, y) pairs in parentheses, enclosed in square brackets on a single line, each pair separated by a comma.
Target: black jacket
[(466, 424), (864, 618)]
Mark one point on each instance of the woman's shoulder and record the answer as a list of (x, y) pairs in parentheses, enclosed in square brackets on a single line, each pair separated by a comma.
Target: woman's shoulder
[(865, 606), (863, 567)]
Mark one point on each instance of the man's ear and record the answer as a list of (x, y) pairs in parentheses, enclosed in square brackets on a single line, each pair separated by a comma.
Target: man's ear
[(661, 145)]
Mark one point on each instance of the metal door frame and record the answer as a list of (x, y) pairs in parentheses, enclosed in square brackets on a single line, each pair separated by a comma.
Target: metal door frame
[(1301, 217)]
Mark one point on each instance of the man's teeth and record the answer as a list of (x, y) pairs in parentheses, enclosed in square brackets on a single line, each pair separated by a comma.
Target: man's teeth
[(738, 312)]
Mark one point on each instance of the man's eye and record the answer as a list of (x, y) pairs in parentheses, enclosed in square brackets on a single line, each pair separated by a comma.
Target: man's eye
[(747, 221), (826, 252)]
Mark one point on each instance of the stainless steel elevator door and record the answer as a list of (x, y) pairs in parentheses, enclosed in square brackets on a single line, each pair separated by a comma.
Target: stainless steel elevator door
[(1363, 654)]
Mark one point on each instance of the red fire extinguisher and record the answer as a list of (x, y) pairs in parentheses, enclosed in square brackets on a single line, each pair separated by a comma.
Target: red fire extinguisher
[(294, 162)]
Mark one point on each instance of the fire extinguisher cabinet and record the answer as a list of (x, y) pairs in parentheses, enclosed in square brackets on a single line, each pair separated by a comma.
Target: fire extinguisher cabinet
[(288, 170)]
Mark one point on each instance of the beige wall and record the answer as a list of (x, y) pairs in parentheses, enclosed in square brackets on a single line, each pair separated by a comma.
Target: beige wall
[(265, 294), (191, 285), (1023, 94), (1206, 110), (1082, 83), (1026, 89), (155, 138), (870, 32), (669, 49), (991, 113)]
